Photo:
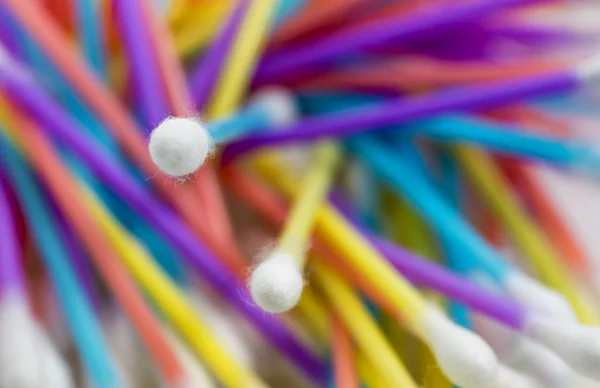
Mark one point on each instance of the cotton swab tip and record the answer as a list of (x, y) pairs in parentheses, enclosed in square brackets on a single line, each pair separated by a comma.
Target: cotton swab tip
[(279, 103), (509, 378), (539, 298), (276, 283), (179, 146), (465, 358), (542, 363), (577, 345)]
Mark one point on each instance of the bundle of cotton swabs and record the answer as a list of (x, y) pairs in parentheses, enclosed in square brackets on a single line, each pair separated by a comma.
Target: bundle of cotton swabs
[(299, 193)]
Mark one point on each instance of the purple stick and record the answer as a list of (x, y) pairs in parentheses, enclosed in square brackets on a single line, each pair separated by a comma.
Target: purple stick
[(420, 24), (11, 275), (402, 110), (205, 73), (16, 83), (142, 61), (423, 272)]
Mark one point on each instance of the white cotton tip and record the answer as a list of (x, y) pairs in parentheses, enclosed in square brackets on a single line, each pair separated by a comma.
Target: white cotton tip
[(541, 363), (276, 283), (179, 146), (510, 378), (537, 297), (523, 354), (20, 362), (589, 70), (27, 357), (577, 345), (54, 369), (462, 355), (279, 103)]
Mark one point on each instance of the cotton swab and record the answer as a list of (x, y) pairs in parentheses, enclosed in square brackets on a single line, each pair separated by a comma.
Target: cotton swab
[(522, 320), (474, 371), (361, 326), (57, 179), (276, 283), (209, 198), (402, 110), (489, 181), (79, 315), (581, 351), (179, 146), (577, 345), (426, 19), (111, 173), (397, 171), (525, 354), (510, 378)]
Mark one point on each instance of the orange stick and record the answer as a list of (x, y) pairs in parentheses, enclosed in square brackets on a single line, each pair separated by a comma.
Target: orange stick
[(100, 99), (344, 368), (558, 232), (61, 185)]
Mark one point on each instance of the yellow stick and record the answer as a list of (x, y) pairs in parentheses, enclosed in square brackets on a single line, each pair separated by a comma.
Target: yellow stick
[(298, 228), (421, 241), (352, 247), (199, 25), (367, 372), (172, 301), (315, 314), (486, 177), (361, 326), (233, 82)]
